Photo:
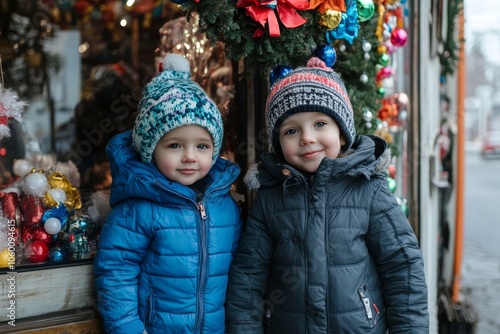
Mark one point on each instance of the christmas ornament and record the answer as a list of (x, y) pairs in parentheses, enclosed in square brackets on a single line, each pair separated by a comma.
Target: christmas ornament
[(36, 251), (40, 234), (330, 19), (279, 72), (348, 26), (59, 180), (327, 54), (52, 226), (57, 254), (366, 9), (392, 184), (10, 107), (363, 78), (399, 37), (60, 212), (384, 59)]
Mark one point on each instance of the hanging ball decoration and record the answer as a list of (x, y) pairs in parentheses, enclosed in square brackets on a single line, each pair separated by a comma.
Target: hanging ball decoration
[(363, 78), (57, 254), (368, 125), (367, 115), (366, 9), (366, 47), (327, 54), (342, 48), (366, 56), (52, 226), (381, 92), (399, 37), (330, 19), (21, 167), (403, 100), (384, 59), (35, 183), (392, 184), (382, 49), (279, 72), (36, 251)]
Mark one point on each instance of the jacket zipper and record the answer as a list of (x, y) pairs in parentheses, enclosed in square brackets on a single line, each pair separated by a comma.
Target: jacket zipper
[(203, 261), (202, 272)]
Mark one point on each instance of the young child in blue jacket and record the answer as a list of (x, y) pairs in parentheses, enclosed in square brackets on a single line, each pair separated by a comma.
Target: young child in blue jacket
[(327, 248), (165, 249)]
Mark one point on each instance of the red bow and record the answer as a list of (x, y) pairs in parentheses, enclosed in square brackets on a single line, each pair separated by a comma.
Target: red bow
[(263, 12)]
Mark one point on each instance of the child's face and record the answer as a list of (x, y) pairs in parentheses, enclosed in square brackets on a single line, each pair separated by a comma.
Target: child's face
[(308, 137), (184, 155)]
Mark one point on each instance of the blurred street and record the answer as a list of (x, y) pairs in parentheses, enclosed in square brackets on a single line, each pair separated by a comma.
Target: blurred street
[(481, 253)]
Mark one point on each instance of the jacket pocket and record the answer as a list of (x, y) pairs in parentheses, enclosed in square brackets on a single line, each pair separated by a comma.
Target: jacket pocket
[(151, 309), (371, 309)]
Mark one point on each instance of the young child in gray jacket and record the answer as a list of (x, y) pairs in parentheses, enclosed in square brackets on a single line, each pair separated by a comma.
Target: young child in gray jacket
[(327, 248)]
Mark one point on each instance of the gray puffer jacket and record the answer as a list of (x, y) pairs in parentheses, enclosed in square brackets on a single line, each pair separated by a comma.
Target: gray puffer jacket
[(330, 253)]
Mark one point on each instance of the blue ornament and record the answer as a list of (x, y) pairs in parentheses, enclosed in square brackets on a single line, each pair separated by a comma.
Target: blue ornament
[(348, 27), (279, 72), (57, 254), (179, 2), (327, 54)]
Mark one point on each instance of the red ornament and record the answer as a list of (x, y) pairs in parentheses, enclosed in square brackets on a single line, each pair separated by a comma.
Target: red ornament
[(399, 37), (40, 234), (37, 251)]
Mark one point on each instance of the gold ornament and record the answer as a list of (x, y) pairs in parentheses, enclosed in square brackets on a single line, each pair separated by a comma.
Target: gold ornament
[(73, 200), (330, 19)]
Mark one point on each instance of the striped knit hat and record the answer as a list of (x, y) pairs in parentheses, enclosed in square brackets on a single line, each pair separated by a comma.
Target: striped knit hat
[(314, 88), (172, 100)]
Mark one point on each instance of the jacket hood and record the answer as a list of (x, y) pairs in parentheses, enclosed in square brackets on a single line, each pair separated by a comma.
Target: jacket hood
[(132, 178), (369, 155)]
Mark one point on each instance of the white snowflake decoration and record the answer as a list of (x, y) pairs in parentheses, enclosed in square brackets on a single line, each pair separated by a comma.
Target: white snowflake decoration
[(10, 107)]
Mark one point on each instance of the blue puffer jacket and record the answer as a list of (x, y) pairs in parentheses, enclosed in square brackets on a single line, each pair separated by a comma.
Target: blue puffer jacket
[(330, 253), (162, 265)]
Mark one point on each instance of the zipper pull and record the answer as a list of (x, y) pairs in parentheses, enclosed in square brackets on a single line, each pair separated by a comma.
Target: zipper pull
[(201, 208), (368, 310)]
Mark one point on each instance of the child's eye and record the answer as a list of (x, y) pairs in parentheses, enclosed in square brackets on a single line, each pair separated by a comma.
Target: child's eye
[(202, 147), (320, 124), (174, 146), (290, 132)]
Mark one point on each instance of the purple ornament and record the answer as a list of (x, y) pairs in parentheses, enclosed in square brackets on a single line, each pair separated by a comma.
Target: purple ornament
[(279, 72), (327, 54)]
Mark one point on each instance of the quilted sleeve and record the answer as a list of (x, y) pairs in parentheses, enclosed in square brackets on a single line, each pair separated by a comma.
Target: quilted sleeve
[(122, 245), (249, 274), (395, 248)]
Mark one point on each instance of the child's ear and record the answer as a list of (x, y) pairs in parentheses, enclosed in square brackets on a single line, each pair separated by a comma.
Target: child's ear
[(342, 140)]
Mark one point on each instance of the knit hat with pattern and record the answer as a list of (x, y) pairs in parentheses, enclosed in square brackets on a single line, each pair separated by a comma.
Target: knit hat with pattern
[(172, 100), (314, 88)]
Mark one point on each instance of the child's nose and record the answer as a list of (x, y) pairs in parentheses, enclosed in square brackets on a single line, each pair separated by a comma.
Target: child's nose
[(307, 138), (189, 156)]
